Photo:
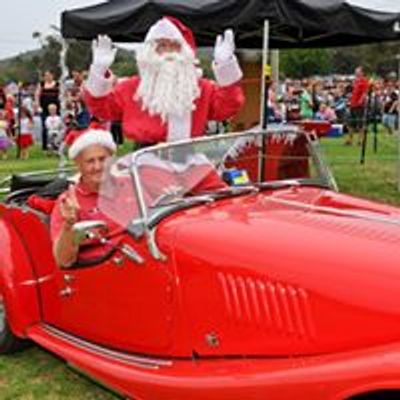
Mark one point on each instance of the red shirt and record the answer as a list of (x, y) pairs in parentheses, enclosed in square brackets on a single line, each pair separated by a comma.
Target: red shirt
[(89, 210), (360, 90)]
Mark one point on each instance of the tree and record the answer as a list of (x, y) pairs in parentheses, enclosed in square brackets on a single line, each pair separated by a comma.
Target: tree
[(299, 63), (124, 64), (377, 59), (50, 58), (31, 66), (79, 55)]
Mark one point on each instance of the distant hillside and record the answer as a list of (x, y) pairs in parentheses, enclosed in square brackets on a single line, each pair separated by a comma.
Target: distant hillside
[(5, 62), (20, 68)]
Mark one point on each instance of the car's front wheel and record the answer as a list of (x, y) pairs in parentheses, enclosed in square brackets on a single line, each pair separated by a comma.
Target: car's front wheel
[(9, 343)]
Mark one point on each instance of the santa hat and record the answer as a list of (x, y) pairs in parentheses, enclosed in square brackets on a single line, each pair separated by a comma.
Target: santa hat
[(173, 29), (82, 140)]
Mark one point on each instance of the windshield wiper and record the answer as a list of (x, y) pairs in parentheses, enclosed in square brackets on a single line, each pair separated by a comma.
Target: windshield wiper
[(159, 213), (292, 182), (203, 198), (232, 191)]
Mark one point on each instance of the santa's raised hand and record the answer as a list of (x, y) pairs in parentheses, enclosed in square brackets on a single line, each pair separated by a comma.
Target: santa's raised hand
[(225, 65), (103, 53), (224, 47)]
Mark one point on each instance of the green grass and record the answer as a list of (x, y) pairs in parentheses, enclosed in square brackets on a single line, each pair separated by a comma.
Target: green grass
[(376, 179), (36, 375), (36, 161)]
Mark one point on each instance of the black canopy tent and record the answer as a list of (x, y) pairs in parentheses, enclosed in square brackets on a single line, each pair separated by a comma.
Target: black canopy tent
[(293, 23)]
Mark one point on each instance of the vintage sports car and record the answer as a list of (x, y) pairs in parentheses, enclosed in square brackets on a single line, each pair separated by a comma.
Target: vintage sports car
[(225, 267)]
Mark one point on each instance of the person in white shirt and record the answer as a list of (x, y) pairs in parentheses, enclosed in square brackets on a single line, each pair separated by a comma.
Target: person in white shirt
[(55, 128)]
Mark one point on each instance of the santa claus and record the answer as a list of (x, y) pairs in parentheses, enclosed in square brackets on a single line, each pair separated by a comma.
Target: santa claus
[(168, 100)]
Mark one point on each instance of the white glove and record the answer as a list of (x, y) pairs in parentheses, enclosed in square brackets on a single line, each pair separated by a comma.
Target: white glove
[(103, 53), (224, 47)]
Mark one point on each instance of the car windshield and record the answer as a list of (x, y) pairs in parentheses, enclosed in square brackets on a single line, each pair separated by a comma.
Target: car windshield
[(164, 178)]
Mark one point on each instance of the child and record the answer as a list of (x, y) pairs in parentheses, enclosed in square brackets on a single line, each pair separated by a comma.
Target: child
[(326, 113), (54, 125), (25, 137), (5, 142)]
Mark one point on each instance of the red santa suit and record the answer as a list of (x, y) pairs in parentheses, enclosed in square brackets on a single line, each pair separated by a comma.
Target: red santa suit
[(215, 103), (218, 100)]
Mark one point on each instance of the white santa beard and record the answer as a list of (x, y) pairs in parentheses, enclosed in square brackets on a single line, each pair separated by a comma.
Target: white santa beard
[(169, 83)]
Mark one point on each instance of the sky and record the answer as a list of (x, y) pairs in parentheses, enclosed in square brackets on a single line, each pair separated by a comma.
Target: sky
[(20, 18)]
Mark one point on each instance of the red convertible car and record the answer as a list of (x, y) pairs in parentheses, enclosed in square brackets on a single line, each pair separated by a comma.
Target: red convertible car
[(226, 267)]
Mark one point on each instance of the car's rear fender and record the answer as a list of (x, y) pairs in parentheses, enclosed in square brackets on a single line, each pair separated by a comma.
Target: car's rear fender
[(18, 284)]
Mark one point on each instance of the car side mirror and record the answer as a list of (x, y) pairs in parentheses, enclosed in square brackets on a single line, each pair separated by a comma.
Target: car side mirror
[(136, 228), (84, 230)]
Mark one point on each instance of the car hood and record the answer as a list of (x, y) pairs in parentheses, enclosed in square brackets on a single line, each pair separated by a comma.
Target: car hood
[(301, 271)]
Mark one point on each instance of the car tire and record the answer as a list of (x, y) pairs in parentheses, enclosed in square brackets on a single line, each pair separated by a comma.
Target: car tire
[(9, 343)]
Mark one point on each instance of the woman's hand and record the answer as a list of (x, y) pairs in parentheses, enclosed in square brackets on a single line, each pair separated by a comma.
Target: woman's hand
[(69, 207)]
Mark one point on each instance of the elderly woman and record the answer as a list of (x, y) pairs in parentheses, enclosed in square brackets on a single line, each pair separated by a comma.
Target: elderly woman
[(90, 152)]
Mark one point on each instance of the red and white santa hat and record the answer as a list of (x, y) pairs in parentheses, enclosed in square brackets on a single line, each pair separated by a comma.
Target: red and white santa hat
[(82, 140), (173, 29)]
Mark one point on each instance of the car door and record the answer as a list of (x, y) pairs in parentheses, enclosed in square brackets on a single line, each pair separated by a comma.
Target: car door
[(119, 302)]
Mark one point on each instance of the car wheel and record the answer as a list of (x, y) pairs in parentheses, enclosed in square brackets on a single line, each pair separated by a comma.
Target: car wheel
[(9, 343)]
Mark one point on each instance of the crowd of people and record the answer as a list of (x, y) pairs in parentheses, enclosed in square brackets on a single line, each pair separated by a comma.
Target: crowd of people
[(31, 113), (346, 100)]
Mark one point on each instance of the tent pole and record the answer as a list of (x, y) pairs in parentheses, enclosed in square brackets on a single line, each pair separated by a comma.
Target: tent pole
[(265, 78), (19, 105), (63, 97), (265, 83), (64, 74), (366, 120)]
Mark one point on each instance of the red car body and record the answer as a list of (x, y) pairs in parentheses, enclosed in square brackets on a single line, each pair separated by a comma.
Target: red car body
[(285, 293)]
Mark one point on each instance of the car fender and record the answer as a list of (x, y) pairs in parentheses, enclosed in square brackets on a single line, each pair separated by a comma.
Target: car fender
[(18, 283)]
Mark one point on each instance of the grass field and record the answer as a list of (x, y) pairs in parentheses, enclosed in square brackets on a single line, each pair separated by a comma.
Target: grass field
[(376, 179), (36, 375)]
